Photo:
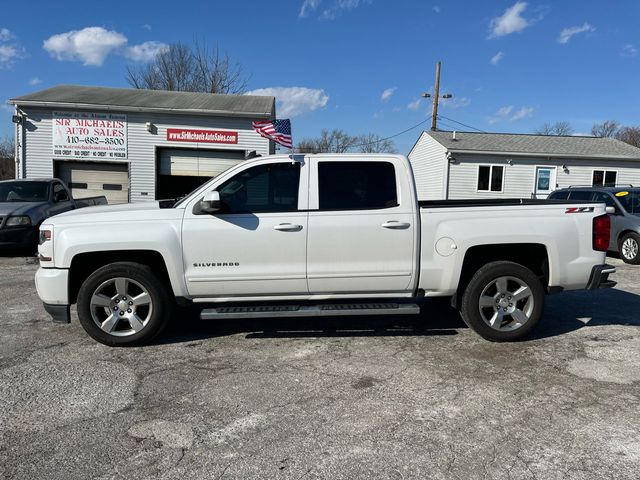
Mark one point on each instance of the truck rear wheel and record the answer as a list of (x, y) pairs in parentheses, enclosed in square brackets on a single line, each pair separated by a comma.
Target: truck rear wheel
[(123, 304), (503, 301)]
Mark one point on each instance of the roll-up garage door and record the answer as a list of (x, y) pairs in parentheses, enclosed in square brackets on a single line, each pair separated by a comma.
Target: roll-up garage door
[(90, 179), (197, 163)]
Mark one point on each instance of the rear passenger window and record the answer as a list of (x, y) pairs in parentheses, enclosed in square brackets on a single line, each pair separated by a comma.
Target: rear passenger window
[(604, 198), (356, 185), (581, 195), (559, 195)]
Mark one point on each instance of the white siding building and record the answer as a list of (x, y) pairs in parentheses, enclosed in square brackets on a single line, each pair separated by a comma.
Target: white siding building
[(465, 165), (135, 145)]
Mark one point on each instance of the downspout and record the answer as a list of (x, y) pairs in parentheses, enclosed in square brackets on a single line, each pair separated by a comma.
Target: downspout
[(16, 148), (446, 175)]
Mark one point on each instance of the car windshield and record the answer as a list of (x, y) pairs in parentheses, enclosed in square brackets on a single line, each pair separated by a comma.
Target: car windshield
[(24, 192), (630, 200)]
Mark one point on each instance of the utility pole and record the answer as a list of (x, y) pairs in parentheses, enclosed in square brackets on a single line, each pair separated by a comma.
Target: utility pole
[(436, 97)]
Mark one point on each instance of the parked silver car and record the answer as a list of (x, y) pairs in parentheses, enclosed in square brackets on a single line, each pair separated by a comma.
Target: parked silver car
[(625, 222)]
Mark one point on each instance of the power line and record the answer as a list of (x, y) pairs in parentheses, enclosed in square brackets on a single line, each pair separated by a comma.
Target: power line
[(395, 135), (463, 124)]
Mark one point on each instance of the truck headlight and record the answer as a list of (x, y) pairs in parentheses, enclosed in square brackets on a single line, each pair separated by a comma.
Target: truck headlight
[(45, 246), (18, 221), (45, 236)]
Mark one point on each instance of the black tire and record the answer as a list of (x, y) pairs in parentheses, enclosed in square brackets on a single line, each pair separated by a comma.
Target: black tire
[(141, 279), (632, 241), (485, 280)]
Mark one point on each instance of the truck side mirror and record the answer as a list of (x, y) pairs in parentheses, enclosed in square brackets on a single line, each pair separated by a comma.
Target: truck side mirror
[(210, 203)]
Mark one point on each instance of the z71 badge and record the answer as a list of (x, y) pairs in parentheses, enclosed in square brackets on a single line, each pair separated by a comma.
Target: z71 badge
[(579, 210)]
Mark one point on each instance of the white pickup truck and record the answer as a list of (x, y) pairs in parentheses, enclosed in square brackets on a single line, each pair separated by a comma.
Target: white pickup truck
[(317, 235)]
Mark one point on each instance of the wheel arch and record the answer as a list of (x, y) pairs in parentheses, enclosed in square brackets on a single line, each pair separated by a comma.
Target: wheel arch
[(625, 232), (533, 256), (84, 264)]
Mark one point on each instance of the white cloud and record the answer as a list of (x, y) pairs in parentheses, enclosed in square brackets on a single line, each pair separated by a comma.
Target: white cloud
[(35, 81), (145, 52), (415, 105), (147, 27), (294, 101), (91, 45), (437, 9), (9, 52), (507, 113), (629, 50), (455, 102), (511, 21), (332, 11), (496, 58), (307, 7), (567, 33), (524, 112), (387, 94), (5, 35)]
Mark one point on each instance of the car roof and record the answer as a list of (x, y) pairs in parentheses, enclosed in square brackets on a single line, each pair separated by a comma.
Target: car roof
[(628, 188), (29, 180)]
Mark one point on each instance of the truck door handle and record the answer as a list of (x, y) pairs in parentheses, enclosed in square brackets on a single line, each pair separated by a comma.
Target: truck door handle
[(287, 227), (395, 225)]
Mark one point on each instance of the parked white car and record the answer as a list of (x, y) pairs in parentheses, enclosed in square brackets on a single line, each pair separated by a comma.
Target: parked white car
[(317, 235)]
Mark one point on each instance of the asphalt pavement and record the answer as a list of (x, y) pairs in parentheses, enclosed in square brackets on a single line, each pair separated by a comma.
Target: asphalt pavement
[(349, 398)]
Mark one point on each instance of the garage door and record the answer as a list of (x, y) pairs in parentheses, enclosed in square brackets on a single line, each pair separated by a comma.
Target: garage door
[(197, 163), (87, 179)]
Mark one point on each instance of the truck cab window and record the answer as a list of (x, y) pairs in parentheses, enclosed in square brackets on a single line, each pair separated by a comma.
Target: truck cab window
[(264, 188), (356, 185), (59, 193)]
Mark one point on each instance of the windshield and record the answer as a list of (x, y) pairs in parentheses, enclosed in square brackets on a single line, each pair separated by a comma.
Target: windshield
[(24, 192), (182, 198), (630, 200)]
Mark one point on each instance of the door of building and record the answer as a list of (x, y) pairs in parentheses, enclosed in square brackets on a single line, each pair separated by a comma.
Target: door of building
[(545, 181), (90, 179)]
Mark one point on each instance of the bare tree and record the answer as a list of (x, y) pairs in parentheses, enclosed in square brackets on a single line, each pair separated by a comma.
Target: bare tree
[(373, 143), (7, 158), (334, 141), (608, 128), (184, 68), (338, 141), (558, 128), (630, 135)]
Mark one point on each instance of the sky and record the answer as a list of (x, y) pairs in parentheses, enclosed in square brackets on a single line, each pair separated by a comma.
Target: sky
[(356, 65)]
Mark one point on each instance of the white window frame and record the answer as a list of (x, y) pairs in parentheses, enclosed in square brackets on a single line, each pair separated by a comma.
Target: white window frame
[(504, 170), (604, 176)]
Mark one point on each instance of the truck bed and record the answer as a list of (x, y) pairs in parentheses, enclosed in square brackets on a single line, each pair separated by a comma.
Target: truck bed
[(491, 202)]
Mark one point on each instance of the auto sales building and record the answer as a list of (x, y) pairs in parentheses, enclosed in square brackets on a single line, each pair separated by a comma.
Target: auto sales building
[(135, 145)]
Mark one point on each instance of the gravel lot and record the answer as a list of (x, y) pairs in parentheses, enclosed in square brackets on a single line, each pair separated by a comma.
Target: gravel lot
[(351, 398)]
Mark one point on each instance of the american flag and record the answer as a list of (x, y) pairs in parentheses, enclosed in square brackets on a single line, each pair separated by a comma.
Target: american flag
[(277, 130)]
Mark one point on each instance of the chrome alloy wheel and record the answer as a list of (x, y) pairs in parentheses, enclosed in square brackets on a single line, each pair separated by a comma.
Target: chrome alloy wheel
[(121, 306), (506, 303), (629, 248)]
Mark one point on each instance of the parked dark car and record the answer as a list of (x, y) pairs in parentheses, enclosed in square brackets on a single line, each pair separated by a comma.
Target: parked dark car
[(24, 204), (625, 221)]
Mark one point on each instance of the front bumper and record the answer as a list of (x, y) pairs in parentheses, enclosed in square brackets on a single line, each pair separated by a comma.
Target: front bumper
[(59, 313), (600, 277), (52, 285)]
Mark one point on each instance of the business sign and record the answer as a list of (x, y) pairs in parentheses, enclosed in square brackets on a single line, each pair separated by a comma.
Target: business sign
[(90, 135), (201, 136)]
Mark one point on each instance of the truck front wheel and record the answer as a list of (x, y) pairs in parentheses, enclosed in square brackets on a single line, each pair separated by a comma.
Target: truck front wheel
[(503, 301), (123, 304)]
